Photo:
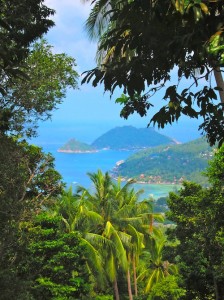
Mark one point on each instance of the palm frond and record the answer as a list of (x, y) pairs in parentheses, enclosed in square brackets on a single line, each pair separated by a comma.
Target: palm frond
[(151, 280), (99, 242), (94, 260), (112, 234), (111, 267)]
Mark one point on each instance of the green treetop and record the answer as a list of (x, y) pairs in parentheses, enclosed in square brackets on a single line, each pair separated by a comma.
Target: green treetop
[(144, 44), (27, 101), (198, 214), (21, 23)]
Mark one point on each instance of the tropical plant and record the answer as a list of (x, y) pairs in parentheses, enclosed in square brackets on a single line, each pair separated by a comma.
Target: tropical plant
[(22, 23), (146, 42), (25, 102), (198, 214), (105, 232), (106, 218), (76, 214), (154, 268), (123, 223), (167, 289), (28, 185), (54, 261)]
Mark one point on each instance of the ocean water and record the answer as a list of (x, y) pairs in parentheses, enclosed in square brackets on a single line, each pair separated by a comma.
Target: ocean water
[(74, 168)]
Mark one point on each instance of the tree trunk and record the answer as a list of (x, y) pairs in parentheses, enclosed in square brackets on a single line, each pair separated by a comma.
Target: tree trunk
[(216, 288), (219, 82), (116, 292), (151, 219), (135, 277), (129, 285)]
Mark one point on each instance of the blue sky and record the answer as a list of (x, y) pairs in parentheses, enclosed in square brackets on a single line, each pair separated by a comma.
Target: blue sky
[(88, 112)]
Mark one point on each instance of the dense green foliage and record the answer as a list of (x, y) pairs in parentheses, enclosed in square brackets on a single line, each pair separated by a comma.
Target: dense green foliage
[(124, 249), (28, 183), (55, 261), (129, 137), (33, 81), (21, 23), (198, 214), (171, 163), (75, 146), (167, 289), (143, 45), (120, 246), (103, 241), (47, 264), (28, 180), (27, 101)]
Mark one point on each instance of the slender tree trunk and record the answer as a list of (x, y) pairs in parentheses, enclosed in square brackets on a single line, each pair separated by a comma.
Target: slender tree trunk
[(216, 288), (151, 219), (135, 277), (219, 82), (129, 285), (116, 292), (218, 296)]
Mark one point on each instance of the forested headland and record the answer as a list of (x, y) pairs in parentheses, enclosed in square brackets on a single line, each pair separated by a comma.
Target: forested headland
[(169, 164)]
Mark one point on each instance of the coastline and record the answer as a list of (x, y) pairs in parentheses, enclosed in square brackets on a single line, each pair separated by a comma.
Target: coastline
[(165, 183), (77, 151)]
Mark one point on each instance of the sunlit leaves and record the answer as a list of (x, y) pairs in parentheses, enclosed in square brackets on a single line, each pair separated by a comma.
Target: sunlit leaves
[(31, 100), (21, 24), (148, 41)]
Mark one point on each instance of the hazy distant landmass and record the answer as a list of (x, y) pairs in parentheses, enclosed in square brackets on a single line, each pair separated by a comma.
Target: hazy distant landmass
[(129, 137), (120, 138), (168, 164), (74, 146)]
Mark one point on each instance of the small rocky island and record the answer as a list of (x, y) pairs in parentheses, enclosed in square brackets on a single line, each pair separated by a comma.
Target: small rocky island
[(74, 146)]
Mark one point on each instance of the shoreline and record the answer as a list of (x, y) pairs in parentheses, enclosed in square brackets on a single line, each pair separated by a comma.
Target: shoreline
[(146, 182), (77, 151)]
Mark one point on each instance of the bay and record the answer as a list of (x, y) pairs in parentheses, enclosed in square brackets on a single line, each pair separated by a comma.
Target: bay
[(74, 168)]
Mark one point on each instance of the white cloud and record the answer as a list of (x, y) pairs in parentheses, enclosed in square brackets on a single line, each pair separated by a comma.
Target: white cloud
[(68, 35), (76, 6)]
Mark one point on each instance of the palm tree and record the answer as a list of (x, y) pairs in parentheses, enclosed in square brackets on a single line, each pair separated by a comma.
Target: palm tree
[(113, 253), (112, 223), (77, 215), (116, 203), (126, 219), (98, 20), (98, 24), (154, 268)]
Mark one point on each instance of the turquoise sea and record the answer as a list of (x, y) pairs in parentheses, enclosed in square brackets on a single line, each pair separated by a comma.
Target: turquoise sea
[(74, 167)]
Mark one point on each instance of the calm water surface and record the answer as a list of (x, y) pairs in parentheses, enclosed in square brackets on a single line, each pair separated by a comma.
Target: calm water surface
[(74, 167)]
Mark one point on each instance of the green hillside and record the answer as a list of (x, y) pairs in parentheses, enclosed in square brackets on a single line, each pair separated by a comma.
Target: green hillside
[(75, 146), (129, 137), (171, 163)]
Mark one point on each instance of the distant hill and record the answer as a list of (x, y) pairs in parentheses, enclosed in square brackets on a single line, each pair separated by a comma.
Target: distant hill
[(129, 137), (169, 164), (74, 146)]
